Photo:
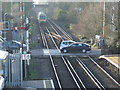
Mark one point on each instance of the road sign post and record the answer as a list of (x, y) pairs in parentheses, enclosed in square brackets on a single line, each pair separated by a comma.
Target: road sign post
[(21, 70)]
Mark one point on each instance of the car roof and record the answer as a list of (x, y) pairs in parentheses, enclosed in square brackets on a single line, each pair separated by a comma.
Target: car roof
[(68, 41), (77, 43), (80, 43), (16, 41)]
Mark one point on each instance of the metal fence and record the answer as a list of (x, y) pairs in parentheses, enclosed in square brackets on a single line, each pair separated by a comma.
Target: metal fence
[(14, 69)]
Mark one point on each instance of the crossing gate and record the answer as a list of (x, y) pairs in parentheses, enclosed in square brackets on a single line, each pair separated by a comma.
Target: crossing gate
[(14, 68)]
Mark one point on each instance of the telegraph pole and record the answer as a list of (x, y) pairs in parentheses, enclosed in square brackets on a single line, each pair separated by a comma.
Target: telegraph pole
[(119, 19), (21, 35), (21, 20), (27, 35), (103, 33), (113, 26), (22, 9), (103, 19)]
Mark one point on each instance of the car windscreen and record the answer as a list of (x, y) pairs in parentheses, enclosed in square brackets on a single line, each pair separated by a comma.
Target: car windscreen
[(67, 43)]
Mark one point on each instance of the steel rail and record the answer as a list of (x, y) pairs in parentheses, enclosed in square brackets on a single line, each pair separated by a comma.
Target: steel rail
[(62, 30), (65, 62), (54, 29), (91, 75), (76, 74), (66, 34), (104, 71), (72, 67), (51, 59), (71, 72), (43, 37)]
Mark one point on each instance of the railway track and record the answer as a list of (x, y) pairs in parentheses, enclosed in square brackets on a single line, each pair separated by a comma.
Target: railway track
[(58, 85), (71, 68), (66, 83), (75, 75), (108, 74), (69, 81), (58, 30)]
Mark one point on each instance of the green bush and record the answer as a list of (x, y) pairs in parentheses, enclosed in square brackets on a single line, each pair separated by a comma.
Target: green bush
[(34, 75), (32, 44)]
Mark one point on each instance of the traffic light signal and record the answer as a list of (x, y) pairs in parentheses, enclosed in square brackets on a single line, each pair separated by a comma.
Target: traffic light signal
[(27, 26), (6, 25)]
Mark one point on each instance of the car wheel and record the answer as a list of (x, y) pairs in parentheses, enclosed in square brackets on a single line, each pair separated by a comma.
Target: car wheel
[(65, 51), (84, 51)]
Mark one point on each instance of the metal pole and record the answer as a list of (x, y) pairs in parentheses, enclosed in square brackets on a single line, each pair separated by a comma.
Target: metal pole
[(25, 71), (27, 35), (9, 74), (11, 13), (21, 69), (103, 34), (113, 27), (4, 26), (21, 17), (27, 43), (103, 19)]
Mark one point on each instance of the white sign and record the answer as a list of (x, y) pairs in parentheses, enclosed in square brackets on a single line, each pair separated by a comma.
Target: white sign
[(26, 56), (97, 37)]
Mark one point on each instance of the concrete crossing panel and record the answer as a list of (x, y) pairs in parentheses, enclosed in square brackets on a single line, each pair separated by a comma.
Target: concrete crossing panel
[(55, 52)]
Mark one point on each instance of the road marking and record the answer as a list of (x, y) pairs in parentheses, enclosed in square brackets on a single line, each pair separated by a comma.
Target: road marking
[(46, 51), (52, 84), (44, 83)]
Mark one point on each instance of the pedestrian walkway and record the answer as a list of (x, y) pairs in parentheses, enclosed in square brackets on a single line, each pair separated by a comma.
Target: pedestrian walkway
[(43, 84), (113, 59)]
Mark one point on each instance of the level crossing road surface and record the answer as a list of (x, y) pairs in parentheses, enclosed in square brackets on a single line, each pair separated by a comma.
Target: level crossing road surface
[(43, 84), (55, 52), (113, 59), (35, 85)]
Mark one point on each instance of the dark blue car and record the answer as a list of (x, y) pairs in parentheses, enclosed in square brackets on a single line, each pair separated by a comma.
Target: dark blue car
[(77, 47)]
